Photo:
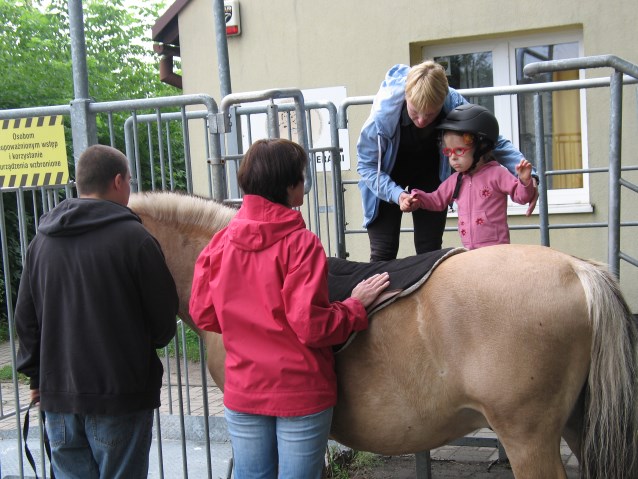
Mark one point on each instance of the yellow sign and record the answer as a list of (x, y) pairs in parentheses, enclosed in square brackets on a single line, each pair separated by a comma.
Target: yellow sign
[(33, 152)]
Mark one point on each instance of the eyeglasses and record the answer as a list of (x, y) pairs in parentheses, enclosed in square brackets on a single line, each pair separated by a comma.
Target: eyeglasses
[(459, 151)]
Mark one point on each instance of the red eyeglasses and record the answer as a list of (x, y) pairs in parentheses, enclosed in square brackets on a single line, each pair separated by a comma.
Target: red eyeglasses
[(459, 151)]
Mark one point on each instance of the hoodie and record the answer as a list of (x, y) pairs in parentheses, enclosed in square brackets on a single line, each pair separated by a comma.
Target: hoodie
[(262, 283), (95, 300), (379, 143), (482, 203)]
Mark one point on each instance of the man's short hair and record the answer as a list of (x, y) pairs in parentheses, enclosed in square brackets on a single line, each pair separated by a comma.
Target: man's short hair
[(426, 86), (97, 166)]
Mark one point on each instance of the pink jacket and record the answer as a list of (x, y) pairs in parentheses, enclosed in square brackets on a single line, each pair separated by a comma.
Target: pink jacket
[(482, 203), (262, 282)]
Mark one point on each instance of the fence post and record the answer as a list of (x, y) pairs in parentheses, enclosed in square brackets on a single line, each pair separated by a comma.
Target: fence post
[(83, 125)]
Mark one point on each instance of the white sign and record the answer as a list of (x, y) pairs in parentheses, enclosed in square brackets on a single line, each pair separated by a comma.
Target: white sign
[(318, 122)]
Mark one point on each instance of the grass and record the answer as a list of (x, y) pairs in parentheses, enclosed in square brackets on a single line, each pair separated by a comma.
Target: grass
[(6, 375), (346, 463)]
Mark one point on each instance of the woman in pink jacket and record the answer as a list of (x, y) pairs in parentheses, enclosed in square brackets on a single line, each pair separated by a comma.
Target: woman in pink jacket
[(262, 283), (480, 185)]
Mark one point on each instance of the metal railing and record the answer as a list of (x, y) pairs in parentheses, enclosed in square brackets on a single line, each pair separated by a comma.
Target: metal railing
[(615, 181), (159, 163)]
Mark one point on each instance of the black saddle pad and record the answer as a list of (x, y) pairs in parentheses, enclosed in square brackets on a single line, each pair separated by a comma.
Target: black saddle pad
[(406, 275), (344, 275)]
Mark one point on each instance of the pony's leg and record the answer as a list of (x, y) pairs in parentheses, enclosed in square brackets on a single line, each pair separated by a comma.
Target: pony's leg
[(535, 455), (573, 432), (531, 435)]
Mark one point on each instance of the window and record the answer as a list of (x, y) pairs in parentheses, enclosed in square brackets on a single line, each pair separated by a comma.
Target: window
[(500, 62), (561, 112)]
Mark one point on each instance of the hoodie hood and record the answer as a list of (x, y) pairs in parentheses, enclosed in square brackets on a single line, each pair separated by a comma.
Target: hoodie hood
[(261, 223), (76, 216), (388, 102)]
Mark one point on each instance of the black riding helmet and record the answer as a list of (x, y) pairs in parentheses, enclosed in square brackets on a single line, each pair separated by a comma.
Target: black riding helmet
[(474, 119), (480, 122)]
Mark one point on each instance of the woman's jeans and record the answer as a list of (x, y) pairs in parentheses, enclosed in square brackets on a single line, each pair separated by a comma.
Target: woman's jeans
[(269, 447), (86, 446)]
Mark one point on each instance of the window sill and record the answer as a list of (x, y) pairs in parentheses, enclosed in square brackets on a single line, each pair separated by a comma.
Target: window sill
[(554, 209)]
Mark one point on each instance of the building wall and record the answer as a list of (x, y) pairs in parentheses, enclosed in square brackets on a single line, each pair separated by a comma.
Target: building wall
[(310, 44)]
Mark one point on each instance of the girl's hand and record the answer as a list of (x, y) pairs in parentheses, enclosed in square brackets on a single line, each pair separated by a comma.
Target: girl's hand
[(524, 171), (408, 203)]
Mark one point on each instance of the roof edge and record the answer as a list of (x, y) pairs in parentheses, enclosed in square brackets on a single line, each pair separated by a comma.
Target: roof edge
[(165, 29)]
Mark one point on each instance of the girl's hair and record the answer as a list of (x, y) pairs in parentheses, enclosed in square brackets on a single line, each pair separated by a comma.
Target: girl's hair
[(426, 86), (269, 167)]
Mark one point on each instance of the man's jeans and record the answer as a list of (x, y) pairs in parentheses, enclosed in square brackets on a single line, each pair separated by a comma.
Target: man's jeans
[(100, 447), (267, 447)]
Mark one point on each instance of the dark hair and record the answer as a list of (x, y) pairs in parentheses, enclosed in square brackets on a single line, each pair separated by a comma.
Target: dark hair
[(269, 167), (96, 168)]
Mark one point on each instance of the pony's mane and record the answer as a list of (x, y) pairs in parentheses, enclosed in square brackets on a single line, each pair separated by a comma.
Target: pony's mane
[(182, 210)]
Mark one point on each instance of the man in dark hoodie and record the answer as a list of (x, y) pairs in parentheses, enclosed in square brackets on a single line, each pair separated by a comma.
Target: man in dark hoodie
[(95, 301)]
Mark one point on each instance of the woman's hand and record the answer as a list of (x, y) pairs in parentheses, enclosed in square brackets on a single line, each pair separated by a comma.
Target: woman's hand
[(368, 289), (408, 203)]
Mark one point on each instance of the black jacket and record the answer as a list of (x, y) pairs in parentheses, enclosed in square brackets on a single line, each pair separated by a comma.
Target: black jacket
[(95, 300)]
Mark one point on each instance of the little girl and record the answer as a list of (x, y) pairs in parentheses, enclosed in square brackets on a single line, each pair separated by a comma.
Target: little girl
[(480, 185)]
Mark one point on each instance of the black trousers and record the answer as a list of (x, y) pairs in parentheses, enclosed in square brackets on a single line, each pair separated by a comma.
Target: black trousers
[(385, 230)]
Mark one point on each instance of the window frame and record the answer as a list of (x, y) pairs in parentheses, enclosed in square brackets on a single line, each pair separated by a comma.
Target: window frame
[(506, 107)]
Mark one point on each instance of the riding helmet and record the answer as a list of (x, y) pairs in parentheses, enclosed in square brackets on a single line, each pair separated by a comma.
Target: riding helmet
[(473, 119)]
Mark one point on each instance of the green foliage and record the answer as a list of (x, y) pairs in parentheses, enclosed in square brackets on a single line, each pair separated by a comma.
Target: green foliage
[(6, 375), (191, 339), (35, 52), (35, 56), (14, 254), (4, 331)]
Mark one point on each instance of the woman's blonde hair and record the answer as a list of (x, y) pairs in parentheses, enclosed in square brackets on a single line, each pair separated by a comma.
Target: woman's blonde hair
[(426, 86)]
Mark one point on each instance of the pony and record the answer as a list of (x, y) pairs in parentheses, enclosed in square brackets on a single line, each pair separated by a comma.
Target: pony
[(526, 340)]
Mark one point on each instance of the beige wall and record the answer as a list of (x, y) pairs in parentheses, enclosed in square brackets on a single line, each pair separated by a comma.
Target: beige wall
[(317, 43)]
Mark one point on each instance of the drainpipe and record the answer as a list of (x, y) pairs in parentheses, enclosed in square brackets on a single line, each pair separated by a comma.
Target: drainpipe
[(167, 75)]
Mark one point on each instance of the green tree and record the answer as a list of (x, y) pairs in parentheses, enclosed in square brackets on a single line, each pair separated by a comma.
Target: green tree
[(35, 52), (35, 58)]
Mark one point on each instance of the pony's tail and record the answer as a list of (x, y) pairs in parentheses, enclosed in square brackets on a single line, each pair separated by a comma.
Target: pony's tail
[(609, 446)]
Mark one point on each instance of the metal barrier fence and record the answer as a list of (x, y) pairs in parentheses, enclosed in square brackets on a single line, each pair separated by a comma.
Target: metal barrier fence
[(148, 128), (156, 163), (27, 204), (615, 83)]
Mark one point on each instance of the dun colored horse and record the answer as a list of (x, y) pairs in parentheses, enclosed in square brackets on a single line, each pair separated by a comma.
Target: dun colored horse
[(528, 341)]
